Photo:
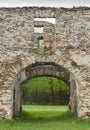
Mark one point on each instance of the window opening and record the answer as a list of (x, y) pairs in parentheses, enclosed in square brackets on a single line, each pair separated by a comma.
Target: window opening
[(40, 45), (50, 20), (38, 29)]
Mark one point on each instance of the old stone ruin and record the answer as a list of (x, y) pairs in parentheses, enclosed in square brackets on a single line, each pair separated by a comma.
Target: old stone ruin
[(31, 48)]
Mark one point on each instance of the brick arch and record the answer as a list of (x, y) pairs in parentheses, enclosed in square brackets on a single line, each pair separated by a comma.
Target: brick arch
[(47, 69), (44, 69)]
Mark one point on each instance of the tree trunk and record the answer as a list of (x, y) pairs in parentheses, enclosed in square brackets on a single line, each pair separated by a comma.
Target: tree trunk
[(52, 90)]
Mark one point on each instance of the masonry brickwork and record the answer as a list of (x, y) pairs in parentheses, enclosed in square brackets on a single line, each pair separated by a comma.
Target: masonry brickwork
[(66, 50)]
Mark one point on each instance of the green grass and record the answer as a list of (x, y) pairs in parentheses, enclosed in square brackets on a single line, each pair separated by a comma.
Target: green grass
[(45, 118)]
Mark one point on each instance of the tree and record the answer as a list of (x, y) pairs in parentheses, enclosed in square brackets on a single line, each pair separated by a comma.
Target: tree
[(50, 81)]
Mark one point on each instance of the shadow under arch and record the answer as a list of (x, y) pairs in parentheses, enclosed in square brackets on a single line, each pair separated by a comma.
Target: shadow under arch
[(44, 69)]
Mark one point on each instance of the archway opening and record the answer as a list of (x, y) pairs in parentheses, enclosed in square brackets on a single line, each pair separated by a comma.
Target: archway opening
[(49, 70), (44, 98)]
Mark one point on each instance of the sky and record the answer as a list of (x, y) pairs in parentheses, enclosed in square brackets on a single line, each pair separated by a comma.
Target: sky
[(51, 20), (46, 3)]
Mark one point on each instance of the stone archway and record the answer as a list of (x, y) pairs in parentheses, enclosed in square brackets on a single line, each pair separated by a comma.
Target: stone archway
[(44, 69), (66, 44), (17, 70)]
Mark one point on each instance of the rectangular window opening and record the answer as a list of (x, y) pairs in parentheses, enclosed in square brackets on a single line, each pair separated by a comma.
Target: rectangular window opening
[(50, 20), (40, 45), (38, 29)]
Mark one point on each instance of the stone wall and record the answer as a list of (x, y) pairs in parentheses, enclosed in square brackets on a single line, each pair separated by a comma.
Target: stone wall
[(71, 49)]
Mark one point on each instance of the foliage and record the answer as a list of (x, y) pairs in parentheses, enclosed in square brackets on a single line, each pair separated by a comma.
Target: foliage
[(45, 90), (42, 83)]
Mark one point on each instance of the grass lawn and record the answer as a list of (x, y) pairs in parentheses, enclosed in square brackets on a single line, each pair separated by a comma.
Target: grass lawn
[(45, 118)]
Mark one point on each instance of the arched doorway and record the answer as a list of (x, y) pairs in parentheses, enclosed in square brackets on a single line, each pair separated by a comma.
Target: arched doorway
[(44, 69)]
